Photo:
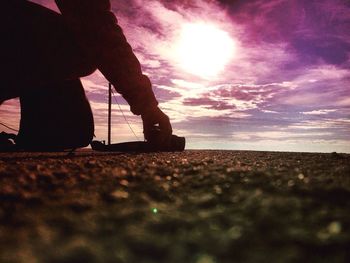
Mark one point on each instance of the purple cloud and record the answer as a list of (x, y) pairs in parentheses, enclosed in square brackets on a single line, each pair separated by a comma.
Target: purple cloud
[(208, 103), (285, 88)]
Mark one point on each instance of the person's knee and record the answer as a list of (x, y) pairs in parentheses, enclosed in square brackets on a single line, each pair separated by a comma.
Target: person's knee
[(56, 118), (40, 46)]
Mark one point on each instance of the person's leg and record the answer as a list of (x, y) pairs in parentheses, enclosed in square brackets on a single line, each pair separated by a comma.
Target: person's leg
[(39, 52), (36, 47), (55, 120)]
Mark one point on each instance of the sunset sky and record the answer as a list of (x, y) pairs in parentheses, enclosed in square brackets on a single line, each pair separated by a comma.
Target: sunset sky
[(234, 74)]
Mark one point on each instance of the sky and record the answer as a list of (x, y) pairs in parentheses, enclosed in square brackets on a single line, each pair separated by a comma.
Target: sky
[(233, 74)]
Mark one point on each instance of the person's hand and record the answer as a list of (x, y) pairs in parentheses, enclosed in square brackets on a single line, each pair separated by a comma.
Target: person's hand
[(156, 127)]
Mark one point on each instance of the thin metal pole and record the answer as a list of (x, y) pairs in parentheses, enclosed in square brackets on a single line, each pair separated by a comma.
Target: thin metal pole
[(109, 111)]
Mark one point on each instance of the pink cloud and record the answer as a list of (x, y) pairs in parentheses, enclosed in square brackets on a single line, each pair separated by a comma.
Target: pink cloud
[(291, 67), (10, 115)]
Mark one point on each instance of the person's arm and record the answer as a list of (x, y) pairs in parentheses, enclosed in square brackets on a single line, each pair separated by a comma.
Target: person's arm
[(98, 32)]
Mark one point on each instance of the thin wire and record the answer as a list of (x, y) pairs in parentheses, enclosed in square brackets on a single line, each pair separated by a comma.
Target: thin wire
[(8, 127), (126, 120)]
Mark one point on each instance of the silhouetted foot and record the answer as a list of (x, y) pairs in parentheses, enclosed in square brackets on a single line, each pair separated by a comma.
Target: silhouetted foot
[(7, 142)]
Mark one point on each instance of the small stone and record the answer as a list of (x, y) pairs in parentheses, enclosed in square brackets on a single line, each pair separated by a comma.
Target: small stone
[(258, 192), (202, 199), (120, 172), (334, 228), (119, 194), (166, 186), (217, 189), (230, 169), (235, 232), (124, 182), (205, 259)]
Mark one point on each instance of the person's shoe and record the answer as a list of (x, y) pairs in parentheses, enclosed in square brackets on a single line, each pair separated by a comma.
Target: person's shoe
[(7, 142)]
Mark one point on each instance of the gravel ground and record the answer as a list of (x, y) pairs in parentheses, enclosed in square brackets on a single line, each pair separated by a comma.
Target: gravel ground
[(194, 206)]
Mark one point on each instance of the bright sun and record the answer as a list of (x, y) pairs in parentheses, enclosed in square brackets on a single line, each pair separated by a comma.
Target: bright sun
[(204, 49)]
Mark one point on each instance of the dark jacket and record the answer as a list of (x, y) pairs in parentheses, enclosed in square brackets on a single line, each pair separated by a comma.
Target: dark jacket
[(98, 32)]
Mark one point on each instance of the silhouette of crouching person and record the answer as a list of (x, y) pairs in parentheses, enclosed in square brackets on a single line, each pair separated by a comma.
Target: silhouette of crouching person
[(44, 54)]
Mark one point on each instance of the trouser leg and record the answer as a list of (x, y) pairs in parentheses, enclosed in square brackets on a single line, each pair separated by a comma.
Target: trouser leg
[(41, 62), (37, 47), (55, 118)]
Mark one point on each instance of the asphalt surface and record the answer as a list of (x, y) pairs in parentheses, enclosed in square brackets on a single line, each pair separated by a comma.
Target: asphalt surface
[(194, 206)]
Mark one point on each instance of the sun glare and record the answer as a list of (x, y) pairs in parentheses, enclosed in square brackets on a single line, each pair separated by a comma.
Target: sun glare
[(204, 49)]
